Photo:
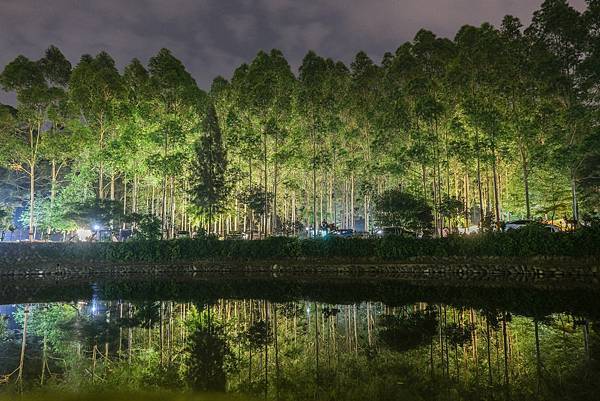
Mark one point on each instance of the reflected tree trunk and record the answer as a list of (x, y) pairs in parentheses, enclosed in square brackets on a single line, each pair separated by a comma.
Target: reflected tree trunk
[(23, 346), (505, 343), (276, 343), (44, 359), (316, 343), (489, 352), (538, 358)]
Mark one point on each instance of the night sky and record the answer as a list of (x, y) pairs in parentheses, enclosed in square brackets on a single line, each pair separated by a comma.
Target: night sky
[(213, 37)]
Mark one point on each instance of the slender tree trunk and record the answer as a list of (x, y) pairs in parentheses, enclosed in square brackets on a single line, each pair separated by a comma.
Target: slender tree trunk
[(352, 200), (266, 188), (112, 186), (124, 200), (525, 167), (31, 200), (316, 342), (480, 193), (489, 352), (538, 358), (53, 179), (575, 205), (266, 350), (314, 179), (496, 192), (44, 359), (276, 343), (505, 344), (23, 345), (275, 178), (172, 212), (134, 195), (163, 209), (101, 165), (467, 205)]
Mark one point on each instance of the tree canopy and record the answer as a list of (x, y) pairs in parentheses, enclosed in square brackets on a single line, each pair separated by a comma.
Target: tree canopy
[(495, 124)]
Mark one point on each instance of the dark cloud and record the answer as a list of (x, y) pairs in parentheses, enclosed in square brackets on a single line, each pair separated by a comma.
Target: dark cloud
[(213, 37)]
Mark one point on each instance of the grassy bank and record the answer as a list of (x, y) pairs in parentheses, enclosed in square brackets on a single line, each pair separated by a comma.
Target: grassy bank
[(516, 243)]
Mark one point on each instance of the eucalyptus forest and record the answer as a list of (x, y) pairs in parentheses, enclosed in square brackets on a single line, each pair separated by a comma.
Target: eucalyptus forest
[(498, 123)]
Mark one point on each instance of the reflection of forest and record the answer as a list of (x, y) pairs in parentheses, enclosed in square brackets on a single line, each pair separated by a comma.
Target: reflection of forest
[(300, 350)]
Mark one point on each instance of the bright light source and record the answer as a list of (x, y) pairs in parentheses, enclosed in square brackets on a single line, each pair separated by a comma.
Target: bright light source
[(96, 227)]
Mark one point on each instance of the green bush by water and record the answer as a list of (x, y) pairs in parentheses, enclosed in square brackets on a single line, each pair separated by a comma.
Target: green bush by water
[(530, 241)]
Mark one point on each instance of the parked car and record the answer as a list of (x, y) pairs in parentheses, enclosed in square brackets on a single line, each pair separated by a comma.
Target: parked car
[(182, 234), (552, 228), (395, 231), (517, 224), (235, 235), (253, 235), (361, 234), (342, 233)]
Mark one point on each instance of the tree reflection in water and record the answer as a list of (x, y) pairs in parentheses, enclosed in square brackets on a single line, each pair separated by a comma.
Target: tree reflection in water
[(302, 349)]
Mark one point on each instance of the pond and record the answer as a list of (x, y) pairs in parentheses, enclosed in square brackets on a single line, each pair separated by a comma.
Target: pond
[(297, 338)]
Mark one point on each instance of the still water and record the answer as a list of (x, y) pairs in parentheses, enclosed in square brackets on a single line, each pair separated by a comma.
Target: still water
[(291, 338)]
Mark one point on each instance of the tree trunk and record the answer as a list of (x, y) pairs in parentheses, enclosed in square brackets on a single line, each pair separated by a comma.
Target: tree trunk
[(480, 193), (44, 359), (505, 344), (575, 205), (538, 358), (23, 345), (525, 167), (352, 200), (275, 173), (53, 178), (266, 188), (31, 199), (489, 352), (314, 179), (163, 209), (112, 186), (496, 194), (172, 211)]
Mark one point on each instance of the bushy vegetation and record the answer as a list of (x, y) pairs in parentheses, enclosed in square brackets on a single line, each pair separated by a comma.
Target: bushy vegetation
[(529, 241)]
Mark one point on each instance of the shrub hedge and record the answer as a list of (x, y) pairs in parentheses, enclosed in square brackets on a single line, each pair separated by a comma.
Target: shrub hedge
[(531, 241)]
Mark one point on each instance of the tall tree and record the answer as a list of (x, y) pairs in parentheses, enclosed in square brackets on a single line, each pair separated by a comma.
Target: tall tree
[(94, 87), (210, 188), (39, 86), (176, 100)]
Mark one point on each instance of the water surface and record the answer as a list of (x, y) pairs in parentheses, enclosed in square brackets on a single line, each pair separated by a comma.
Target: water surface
[(294, 338)]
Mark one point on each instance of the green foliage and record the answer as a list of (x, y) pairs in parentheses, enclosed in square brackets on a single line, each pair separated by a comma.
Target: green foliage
[(208, 354), (4, 332), (148, 227), (402, 333), (397, 208), (498, 118), (259, 335), (49, 322), (6, 221), (533, 240), (103, 212), (256, 199), (451, 207), (210, 188)]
